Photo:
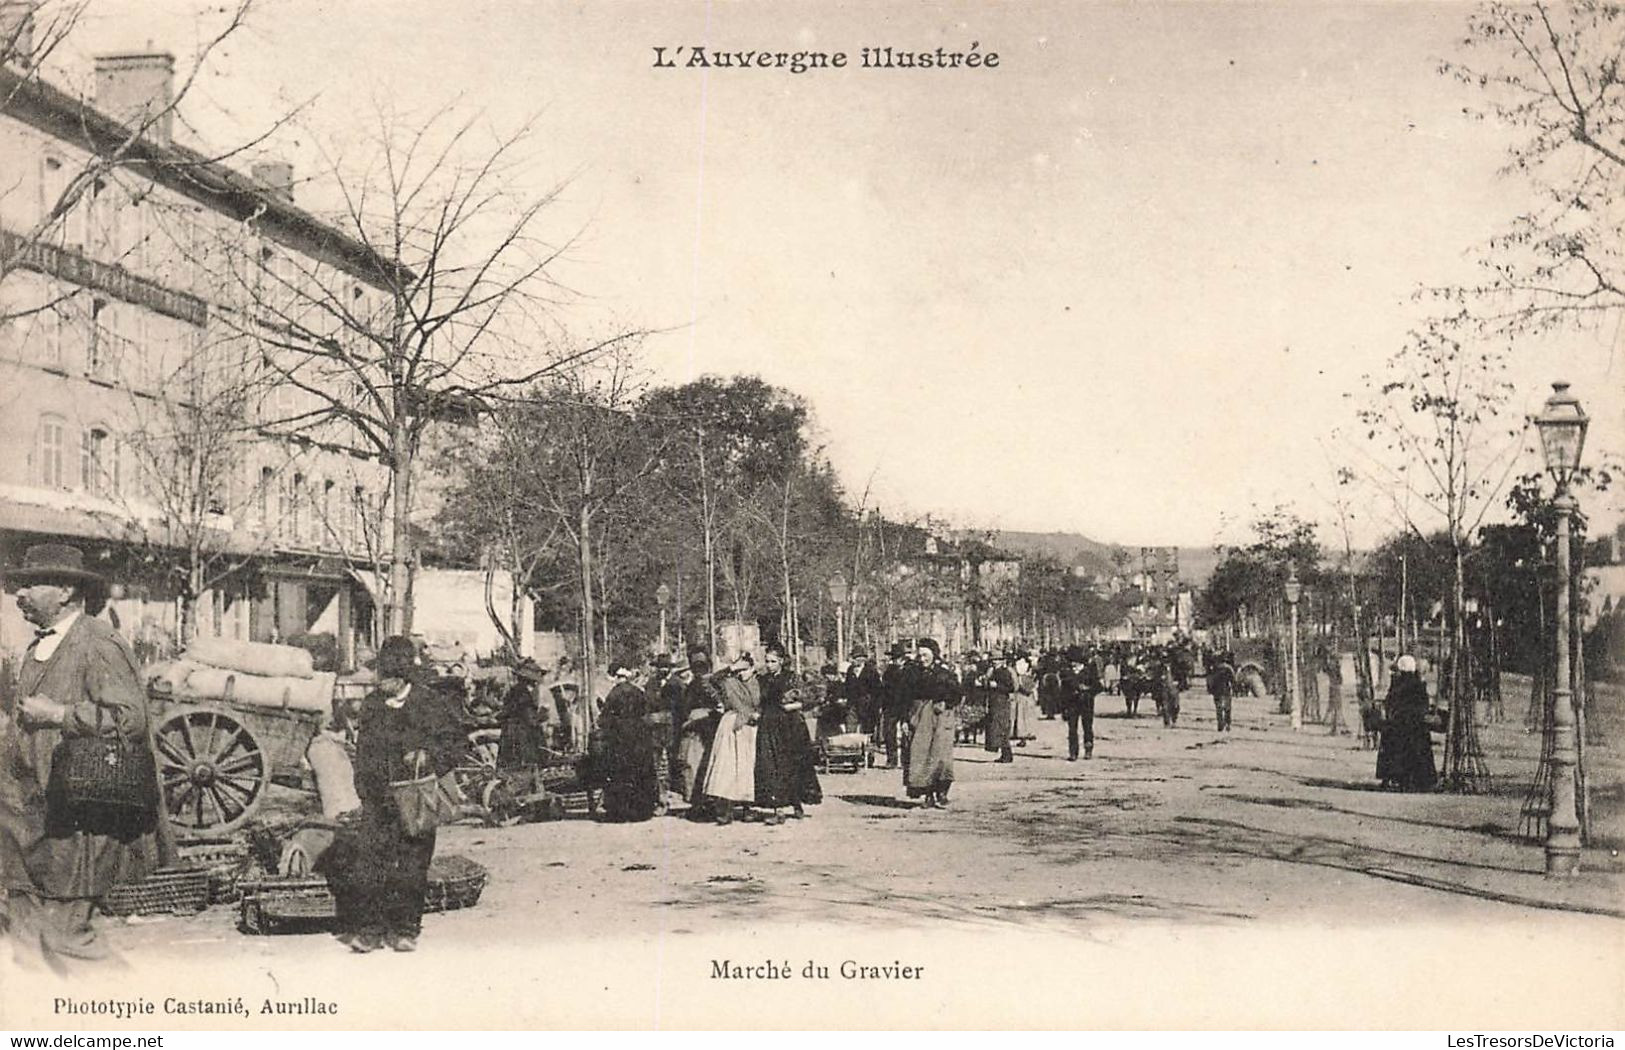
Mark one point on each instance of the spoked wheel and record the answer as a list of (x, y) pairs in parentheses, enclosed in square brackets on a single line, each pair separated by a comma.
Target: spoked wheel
[(478, 766), (213, 770)]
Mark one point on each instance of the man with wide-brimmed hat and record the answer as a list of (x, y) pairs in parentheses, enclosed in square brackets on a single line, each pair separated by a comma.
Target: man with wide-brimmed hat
[(409, 729), (894, 704), (77, 679), (527, 719)]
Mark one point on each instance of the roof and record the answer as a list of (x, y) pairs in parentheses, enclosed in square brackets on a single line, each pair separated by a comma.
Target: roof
[(187, 171)]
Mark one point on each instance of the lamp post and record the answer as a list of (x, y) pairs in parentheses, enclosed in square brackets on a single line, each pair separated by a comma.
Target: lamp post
[(662, 596), (1562, 438), (1294, 591), (837, 594)]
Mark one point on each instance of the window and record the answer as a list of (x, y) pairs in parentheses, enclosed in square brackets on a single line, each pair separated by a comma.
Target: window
[(286, 499), (54, 183), (355, 517), (262, 497), (100, 338), (52, 438), (102, 214), (98, 462), (326, 524), (53, 327), (296, 509)]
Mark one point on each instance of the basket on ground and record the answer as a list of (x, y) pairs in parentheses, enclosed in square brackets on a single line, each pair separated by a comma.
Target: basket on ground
[(278, 902), (167, 891), (454, 882), (225, 860)]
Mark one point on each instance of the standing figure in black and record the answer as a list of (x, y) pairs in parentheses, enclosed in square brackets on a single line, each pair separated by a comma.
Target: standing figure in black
[(1001, 687), (1221, 685), (1405, 757), (785, 764), (408, 728), (1080, 684)]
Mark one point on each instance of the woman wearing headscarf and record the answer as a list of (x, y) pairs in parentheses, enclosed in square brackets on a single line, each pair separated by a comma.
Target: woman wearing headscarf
[(730, 777), (623, 752), (785, 765), (1405, 758), (933, 691), (1024, 724)]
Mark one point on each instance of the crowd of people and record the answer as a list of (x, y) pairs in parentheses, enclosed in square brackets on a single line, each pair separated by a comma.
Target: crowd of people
[(730, 742)]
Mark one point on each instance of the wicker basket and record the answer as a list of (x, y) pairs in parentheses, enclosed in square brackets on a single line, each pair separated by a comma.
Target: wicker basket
[(454, 882), (226, 862), (278, 901), (577, 804), (167, 891)]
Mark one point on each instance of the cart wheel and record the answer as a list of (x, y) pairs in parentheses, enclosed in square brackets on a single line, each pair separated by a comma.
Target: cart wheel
[(478, 765), (213, 769)]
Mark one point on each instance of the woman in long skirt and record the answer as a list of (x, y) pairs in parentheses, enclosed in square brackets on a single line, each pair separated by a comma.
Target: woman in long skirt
[(1001, 687), (703, 701), (786, 773), (1025, 720), (933, 690), (730, 776), (1405, 756), (623, 753)]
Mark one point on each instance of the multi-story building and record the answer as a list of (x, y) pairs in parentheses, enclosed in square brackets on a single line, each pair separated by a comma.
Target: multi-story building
[(138, 416)]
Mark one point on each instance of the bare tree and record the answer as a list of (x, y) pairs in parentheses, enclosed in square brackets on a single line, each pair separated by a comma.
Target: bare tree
[(1439, 444), (436, 315), (1552, 74), (188, 442)]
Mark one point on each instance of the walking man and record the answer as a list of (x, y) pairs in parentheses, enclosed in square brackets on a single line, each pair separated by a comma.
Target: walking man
[(1221, 684), (78, 679), (1080, 684)]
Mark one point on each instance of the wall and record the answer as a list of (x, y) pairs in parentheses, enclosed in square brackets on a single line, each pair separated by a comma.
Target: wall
[(449, 607)]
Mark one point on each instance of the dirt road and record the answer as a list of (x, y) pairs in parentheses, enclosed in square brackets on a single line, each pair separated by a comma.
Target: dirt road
[(1268, 849)]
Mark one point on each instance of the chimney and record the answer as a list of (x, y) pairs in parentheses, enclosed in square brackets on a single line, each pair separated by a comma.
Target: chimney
[(276, 176), (17, 32), (134, 88)]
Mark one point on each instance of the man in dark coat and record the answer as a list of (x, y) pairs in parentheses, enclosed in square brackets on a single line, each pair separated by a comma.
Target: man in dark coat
[(1080, 684), (1000, 684), (77, 679), (527, 719), (863, 691), (894, 705), (1221, 685), (408, 729), (702, 706)]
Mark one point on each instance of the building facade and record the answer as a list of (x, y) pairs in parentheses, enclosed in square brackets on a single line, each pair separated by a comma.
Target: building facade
[(142, 419)]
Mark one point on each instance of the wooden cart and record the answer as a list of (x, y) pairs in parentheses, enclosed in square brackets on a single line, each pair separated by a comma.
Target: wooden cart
[(845, 752), (217, 757)]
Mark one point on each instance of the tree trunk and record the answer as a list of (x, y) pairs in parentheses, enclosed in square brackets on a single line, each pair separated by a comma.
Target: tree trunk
[(708, 535), (589, 657), (398, 611)]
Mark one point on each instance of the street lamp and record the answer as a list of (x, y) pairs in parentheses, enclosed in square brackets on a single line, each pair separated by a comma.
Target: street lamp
[(1562, 438), (837, 594), (662, 596), (1294, 591)]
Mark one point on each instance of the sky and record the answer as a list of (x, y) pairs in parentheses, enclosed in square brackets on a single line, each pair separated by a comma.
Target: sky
[(1120, 284)]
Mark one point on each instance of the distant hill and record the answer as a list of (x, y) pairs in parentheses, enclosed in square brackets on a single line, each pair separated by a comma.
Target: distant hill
[(1196, 564)]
